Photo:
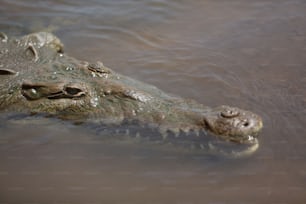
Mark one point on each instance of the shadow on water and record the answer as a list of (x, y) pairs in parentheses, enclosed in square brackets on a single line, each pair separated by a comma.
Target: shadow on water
[(246, 54)]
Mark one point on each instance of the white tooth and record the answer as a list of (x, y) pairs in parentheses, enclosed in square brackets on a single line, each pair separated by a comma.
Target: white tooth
[(250, 137), (175, 131), (137, 135), (163, 132), (185, 130), (211, 146)]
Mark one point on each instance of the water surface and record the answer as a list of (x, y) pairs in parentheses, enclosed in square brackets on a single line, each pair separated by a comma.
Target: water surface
[(250, 54)]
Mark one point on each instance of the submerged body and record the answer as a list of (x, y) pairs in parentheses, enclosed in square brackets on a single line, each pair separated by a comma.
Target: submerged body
[(37, 77)]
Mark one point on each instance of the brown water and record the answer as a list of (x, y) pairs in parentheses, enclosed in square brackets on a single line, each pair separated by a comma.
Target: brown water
[(250, 54)]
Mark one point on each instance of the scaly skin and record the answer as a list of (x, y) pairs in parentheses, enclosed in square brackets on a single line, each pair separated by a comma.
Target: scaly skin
[(36, 77)]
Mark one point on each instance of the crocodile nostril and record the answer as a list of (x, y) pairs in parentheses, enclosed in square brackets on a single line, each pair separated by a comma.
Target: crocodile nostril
[(246, 124)]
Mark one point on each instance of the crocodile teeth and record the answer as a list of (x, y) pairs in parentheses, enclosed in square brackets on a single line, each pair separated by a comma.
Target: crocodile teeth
[(250, 138), (163, 131)]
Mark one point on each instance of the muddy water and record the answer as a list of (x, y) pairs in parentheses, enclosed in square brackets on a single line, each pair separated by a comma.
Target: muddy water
[(250, 54)]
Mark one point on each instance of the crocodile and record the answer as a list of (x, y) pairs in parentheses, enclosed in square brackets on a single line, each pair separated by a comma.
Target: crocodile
[(37, 77)]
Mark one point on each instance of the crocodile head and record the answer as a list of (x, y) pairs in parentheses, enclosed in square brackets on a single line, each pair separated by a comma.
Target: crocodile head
[(37, 77), (234, 124)]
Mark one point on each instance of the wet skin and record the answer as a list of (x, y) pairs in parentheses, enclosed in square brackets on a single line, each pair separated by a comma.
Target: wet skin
[(37, 77)]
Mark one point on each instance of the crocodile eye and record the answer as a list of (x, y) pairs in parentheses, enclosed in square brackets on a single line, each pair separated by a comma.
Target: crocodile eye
[(31, 94), (246, 124), (229, 113), (98, 69), (52, 91), (7, 72), (74, 91)]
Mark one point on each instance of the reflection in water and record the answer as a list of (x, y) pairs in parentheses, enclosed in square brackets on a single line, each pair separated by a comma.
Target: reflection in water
[(246, 54)]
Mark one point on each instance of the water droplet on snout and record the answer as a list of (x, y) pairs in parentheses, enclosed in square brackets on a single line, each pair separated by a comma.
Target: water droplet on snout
[(54, 75), (4, 51), (69, 68), (94, 102)]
